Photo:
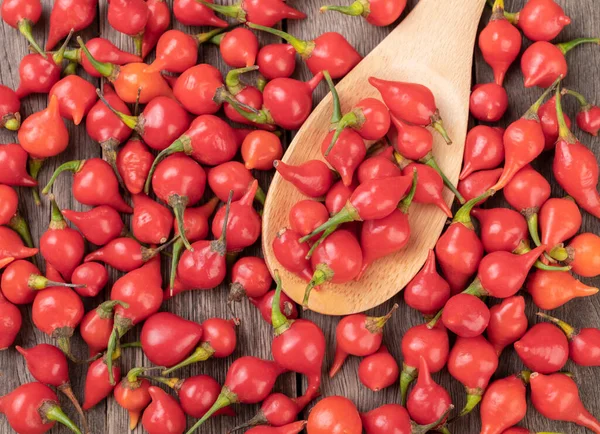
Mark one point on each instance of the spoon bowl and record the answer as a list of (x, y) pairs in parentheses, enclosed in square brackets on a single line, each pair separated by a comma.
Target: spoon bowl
[(432, 46)]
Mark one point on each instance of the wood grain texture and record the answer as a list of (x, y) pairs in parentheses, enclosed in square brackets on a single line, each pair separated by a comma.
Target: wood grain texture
[(254, 334)]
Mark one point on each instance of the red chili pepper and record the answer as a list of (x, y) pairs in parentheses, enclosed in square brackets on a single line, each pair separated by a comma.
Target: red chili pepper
[(96, 326), (379, 370), (377, 167), (238, 47), (249, 380), (250, 277), (524, 141), (556, 397), (164, 415), (23, 15), (98, 382), (159, 20), (306, 215), (488, 102), (291, 253), (193, 13), (129, 17), (584, 254), (412, 141), (338, 259), (33, 408), (76, 97), (549, 122), (412, 103), (263, 12), (130, 78), (197, 87), (249, 96), (508, 323), (298, 346), (428, 402), (44, 134), (313, 177), (287, 102), (472, 362), (133, 164), (176, 51), (376, 12), (584, 343), (10, 118), (502, 229), (334, 414), (427, 292), (11, 324), (9, 215), (167, 339), (430, 344), (90, 279), (477, 183), (499, 42), (265, 304), (67, 16), (276, 61), (575, 167), (232, 176), (12, 248), (542, 63), (504, 404), (588, 117), (104, 51), (100, 225), (358, 335), (484, 149), (466, 315), (260, 149), (151, 222), (430, 186), (132, 394), (94, 183), (544, 348), (277, 410), (542, 20), (48, 365), (560, 219), (394, 419), (13, 166), (218, 340), (141, 291), (552, 289), (337, 196)]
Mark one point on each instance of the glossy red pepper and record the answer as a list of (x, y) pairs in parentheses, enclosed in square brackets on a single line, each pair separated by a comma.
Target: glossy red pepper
[(13, 165), (575, 167), (429, 187), (167, 339), (94, 183), (128, 79), (338, 259), (556, 397), (238, 47), (76, 97), (477, 183), (102, 50), (278, 410), (524, 141), (44, 134), (196, 89), (176, 51), (151, 222), (313, 177), (428, 402), (584, 343), (466, 315), (549, 122), (508, 323), (132, 394), (10, 118), (90, 278), (584, 254), (96, 326), (23, 15), (542, 62), (542, 20), (164, 415), (502, 229), (264, 305), (337, 196), (67, 16), (159, 20), (100, 225), (128, 17), (358, 335), (291, 253), (12, 248), (412, 141), (552, 289), (306, 215), (488, 102), (499, 42), (503, 405), (10, 216), (232, 176), (98, 384), (141, 291), (588, 117), (260, 149), (544, 348), (377, 167), (427, 292), (193, 13), (334, 414), (33, 408), (379, 370), (376, 12), (276, 60), (560, 219), (11, 322), (432, 344), (484, 149), (472, 362), (411, 102), (250, 277), (249, 380), (263, 12), (133, 164), (394, 419)]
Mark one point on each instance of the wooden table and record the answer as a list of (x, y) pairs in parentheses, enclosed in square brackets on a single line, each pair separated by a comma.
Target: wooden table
[(254, 334)]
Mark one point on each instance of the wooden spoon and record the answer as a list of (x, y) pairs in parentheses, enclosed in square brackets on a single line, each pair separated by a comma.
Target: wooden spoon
[(433, 46)]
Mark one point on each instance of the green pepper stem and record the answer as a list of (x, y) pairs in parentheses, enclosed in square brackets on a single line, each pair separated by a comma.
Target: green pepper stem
[(279, 321), (347, 214), (567, 329), (177, 251), (438, 124), (532, 224), (429, 160), (407, 376), (201, 354), (302, 47), (130, 121), (225, 399), (463, 215), (59, 55), (177, 146), (406, 202), (105, 69), (232, 79), (73, 166), (106, 309), (233, 11), (317, 243), (178, 204), (19, 225), (52, 411), (25, 27), (472, 400), (532, 112), (579, 97), (356, 9), (210, 36), (564, 132), (57, 221), (321, 275), (565, 47), (336, 116), (34, 166), (423, 429)]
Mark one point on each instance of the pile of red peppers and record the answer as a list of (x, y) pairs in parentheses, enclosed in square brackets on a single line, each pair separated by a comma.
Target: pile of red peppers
[(172, 166)]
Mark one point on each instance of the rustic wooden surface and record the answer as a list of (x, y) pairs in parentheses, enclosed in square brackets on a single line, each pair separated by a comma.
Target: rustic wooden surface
[(254, 334)]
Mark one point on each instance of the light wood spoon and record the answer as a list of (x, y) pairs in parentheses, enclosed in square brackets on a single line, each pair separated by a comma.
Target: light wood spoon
[(433, 46)]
